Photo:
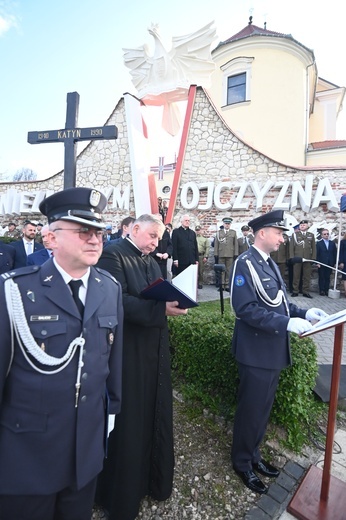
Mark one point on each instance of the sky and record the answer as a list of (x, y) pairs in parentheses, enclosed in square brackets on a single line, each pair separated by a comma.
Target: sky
[(48, 49)]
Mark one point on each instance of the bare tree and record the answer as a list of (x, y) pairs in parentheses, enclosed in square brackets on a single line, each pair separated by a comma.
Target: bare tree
[(24, 174)]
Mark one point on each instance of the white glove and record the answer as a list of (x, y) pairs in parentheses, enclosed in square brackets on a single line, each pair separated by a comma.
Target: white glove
[(298, 325), (111, 423), (315, 314)]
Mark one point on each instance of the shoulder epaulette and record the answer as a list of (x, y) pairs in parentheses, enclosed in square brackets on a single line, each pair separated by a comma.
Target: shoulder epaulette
[(21, 271), (106, 273), (244, 256)]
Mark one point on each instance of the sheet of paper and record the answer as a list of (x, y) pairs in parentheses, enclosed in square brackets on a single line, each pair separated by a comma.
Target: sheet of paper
[(329, 321), (186, 281)]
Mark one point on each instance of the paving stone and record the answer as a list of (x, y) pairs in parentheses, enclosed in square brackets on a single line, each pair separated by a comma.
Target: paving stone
[(269, 505), (285, 481), (278, 492), (294, 470)]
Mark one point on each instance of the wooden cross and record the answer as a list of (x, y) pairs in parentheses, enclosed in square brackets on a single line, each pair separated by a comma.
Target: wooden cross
[(70, 135)]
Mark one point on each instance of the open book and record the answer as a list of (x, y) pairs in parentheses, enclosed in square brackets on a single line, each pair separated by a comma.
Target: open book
[(183, 289), (326, 323)]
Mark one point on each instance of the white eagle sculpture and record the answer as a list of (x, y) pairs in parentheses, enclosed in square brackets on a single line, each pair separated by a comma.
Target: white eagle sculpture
[(166, 76)]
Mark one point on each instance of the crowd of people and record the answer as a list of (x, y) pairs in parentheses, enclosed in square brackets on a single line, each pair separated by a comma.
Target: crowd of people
[(86, 415), (183, 246)]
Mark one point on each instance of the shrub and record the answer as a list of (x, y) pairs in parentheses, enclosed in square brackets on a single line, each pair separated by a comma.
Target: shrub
[(295, 407), (201, 356), (206, 371), (7, 240)]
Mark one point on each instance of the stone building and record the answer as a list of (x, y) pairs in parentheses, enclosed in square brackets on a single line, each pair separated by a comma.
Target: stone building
[(218, 173)]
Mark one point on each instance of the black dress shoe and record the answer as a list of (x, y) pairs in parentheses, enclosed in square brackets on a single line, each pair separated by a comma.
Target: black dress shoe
[(322, 293), (200, 287), (252, 481), (266, 469), (307, 295), (294, 294)]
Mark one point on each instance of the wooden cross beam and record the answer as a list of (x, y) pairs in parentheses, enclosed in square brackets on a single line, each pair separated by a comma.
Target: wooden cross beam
[(70, 135)]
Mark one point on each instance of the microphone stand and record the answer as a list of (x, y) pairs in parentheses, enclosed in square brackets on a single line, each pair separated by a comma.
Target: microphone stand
[(337, 293)]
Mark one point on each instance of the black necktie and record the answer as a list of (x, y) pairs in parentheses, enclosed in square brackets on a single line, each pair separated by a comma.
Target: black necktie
[(75, 285)]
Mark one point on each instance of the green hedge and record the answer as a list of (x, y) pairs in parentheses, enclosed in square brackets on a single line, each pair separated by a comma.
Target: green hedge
[(8, 240), (206, 371)]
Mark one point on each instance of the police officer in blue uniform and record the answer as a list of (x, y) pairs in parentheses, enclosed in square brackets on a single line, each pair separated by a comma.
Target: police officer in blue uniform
[(264, 318), (60, 367)]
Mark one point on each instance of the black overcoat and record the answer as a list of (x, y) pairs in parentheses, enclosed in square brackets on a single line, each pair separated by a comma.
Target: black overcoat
[(140, 455), (185, 247)]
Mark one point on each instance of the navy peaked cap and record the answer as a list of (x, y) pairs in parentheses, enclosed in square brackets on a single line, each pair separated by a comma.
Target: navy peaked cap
[(271, 219), (82, 205)]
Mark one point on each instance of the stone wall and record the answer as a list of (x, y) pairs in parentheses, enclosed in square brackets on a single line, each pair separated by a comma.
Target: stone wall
[(213, 152)]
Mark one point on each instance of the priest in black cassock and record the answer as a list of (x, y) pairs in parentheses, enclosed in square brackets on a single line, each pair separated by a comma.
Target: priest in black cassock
[(140, 450)]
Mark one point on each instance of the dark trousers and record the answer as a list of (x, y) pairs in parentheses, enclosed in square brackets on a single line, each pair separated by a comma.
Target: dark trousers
[(163, 267), (256, 394), (67, 504), (324, 278)]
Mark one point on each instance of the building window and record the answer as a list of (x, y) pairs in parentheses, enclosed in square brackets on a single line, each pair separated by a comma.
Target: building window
[(236, 88), (236, 81)]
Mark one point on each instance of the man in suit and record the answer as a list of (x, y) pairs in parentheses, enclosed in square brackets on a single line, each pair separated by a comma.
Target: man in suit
[(302, 244), (260, 343), (326, 254), (42, 255), (226, 248), (57, 365), (125, 229), (109, 235), (7, 254), (26, 245), (185, 248)]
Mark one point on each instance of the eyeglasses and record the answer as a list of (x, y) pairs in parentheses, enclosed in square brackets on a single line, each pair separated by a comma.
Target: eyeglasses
[(326, 234), (85, 233)]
